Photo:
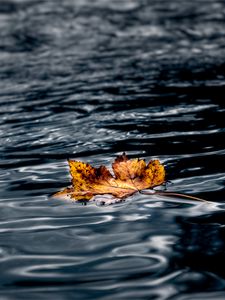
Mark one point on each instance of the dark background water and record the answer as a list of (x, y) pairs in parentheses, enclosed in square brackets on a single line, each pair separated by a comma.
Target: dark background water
[(88, 80)]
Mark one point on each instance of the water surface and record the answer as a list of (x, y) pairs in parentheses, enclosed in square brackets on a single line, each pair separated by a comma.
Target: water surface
[(88, 80)]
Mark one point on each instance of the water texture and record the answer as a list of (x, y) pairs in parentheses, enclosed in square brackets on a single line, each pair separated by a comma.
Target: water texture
[(89, 79)]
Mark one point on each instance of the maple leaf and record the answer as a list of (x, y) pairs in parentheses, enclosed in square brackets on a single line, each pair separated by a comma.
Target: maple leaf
[(130, 176)]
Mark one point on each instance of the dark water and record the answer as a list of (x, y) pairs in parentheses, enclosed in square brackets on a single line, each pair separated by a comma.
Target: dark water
[(87, 80)]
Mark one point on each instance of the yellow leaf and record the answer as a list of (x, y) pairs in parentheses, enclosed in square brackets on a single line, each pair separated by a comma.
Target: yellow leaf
[(130, 176)]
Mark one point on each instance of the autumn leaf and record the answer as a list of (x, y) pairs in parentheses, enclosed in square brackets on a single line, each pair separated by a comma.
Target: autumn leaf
[(130, 176)]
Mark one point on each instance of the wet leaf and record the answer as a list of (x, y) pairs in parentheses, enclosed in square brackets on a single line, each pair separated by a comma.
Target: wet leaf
[(130, 176)]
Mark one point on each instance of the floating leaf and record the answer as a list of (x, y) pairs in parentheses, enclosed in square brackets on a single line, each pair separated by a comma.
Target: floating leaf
[(130, 176)]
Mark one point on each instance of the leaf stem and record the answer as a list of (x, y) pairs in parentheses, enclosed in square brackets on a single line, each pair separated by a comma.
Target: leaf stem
[(172, 194)]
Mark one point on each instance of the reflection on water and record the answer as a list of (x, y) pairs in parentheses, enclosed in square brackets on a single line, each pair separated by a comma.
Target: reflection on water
[(88, 80)]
